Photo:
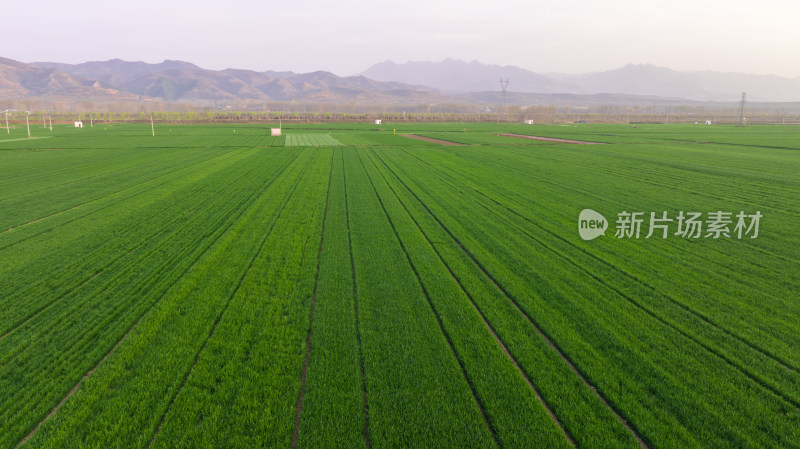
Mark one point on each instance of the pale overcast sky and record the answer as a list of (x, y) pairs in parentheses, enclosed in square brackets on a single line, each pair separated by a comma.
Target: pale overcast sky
[(347, 36)]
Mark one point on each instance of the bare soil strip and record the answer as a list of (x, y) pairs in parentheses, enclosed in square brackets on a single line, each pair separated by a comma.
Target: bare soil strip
[(552, 139), (432, 140), (299, 407)]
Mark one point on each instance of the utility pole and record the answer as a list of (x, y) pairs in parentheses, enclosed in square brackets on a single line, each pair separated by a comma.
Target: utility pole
[(503, 86), (741, 109)]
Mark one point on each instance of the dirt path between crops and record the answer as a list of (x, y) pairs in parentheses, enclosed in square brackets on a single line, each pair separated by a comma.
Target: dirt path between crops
[(552, 139), (432, 140)]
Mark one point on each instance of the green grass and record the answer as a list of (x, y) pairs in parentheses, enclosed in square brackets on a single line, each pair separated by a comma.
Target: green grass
[(217, 286)]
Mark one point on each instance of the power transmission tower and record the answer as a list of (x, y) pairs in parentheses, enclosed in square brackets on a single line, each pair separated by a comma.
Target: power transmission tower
[(741, 109), (503, 86)]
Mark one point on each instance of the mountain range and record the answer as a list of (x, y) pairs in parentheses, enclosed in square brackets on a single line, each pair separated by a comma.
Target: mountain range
[(447, 81), (455, 76), (178, 81)]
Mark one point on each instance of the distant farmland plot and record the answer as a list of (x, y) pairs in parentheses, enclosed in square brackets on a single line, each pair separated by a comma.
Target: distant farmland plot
[(220, 287), (311, 140)]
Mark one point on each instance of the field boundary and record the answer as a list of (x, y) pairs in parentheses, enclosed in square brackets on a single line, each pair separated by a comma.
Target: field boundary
[(551, 139), (432, 140)]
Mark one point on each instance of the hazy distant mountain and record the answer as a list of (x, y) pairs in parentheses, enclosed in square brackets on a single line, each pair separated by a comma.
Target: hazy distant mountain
[(648, 80), (116, 71), (20, 80), (384, 83), (451, 75), (183, 81)]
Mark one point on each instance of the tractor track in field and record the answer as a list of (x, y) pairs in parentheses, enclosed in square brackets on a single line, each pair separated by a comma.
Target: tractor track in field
[(497, 339), (303, 375), (534, 325), (128, 332), (232, 296), (454, 353), (365, 406), (783, 363)]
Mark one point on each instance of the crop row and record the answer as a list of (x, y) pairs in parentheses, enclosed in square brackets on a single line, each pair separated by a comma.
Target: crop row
[(93, 318), (222, 293), (549, 286)]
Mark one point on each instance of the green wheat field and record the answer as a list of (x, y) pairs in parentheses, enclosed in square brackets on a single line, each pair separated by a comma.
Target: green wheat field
[(347, 286)]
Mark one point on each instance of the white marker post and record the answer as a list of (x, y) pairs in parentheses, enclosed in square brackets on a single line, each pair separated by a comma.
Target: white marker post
[(51, 122), (27, 122), (152, 126), (91, 121)]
